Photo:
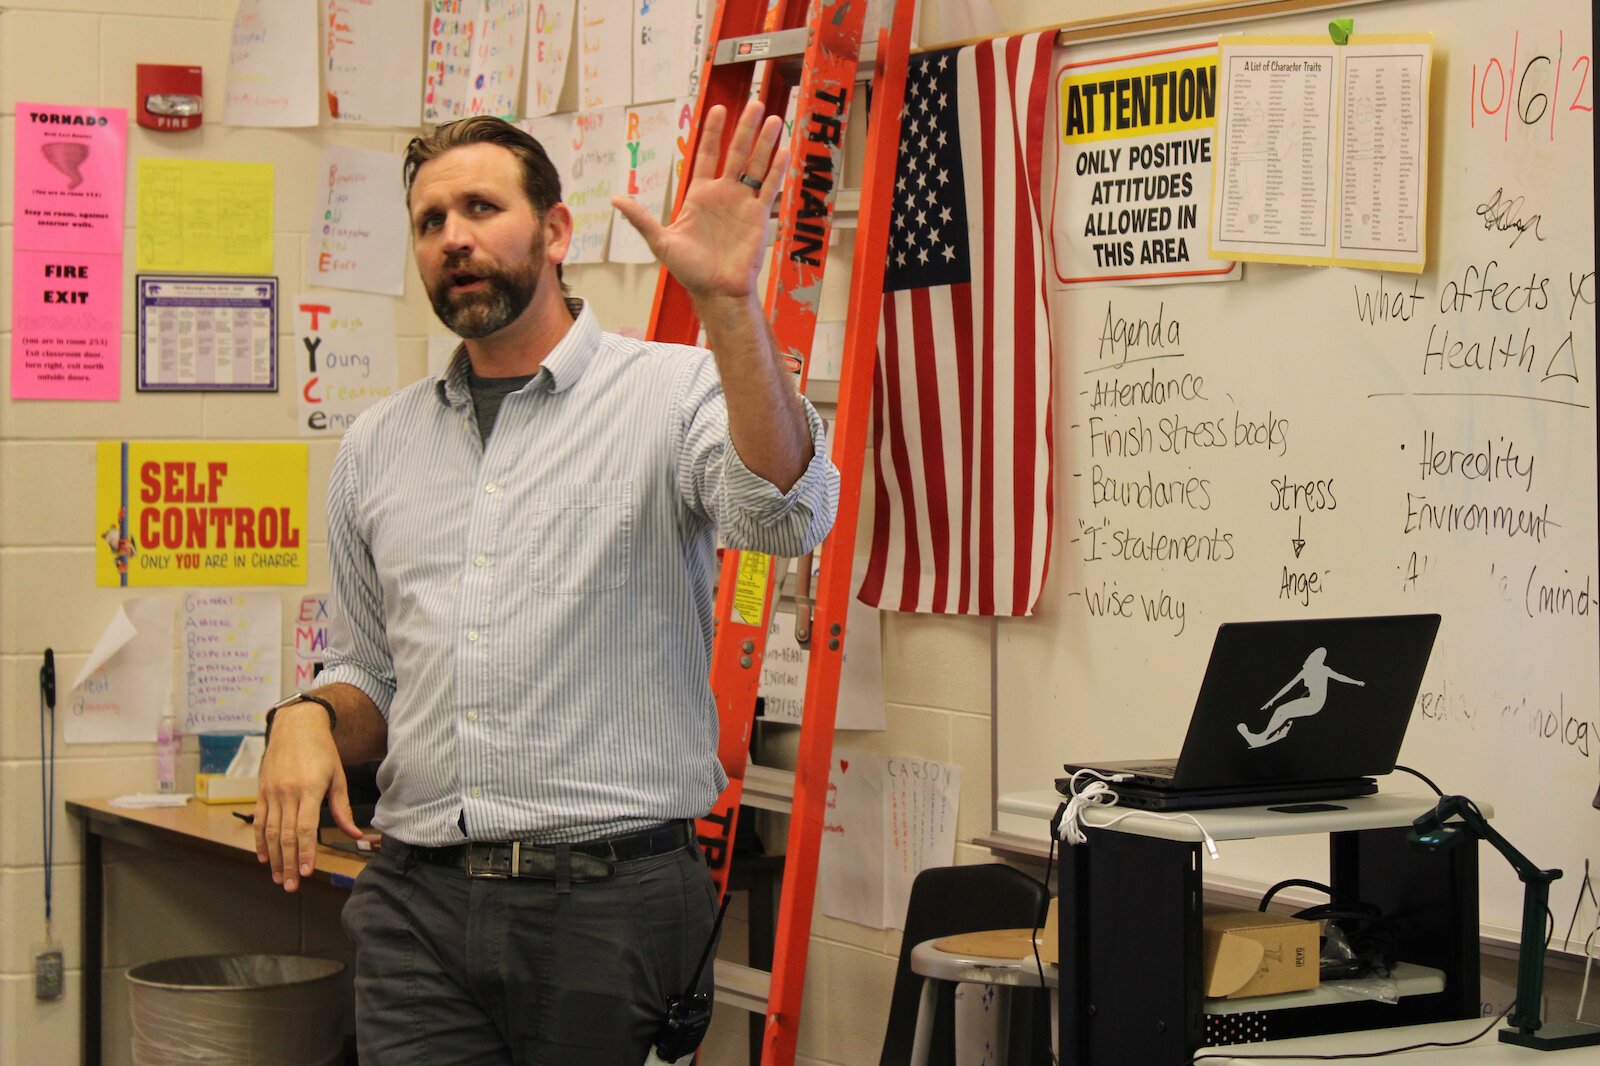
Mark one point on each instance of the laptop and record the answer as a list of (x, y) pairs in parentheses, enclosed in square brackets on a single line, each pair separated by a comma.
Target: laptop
[(1289, 712)]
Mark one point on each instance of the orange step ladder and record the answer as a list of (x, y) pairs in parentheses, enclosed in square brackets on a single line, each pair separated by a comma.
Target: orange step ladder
[(820, 41)]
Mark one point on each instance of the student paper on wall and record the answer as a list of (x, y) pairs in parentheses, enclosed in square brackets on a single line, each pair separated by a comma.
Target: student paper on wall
[(604, 37), (597, 169), (549, 47), (371, 70), (344, 348), (663, 49), (887, 819), (232, 655), (358, 222), (126, 682), (650, 157), (449, 59), (499, 45), (272, 65), (310, 640)]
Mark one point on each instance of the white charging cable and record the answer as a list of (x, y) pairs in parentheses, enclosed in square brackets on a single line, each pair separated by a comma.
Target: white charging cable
[(1097, 792)]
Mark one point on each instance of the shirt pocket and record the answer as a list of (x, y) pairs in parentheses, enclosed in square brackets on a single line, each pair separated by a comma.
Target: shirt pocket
[(582, 537)]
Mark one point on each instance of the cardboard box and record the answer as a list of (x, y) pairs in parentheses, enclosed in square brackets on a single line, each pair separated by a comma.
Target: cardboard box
[(1248, 953), (219, 788)]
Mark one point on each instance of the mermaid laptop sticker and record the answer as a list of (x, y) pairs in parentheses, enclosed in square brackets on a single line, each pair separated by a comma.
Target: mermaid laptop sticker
[(1316, 674)]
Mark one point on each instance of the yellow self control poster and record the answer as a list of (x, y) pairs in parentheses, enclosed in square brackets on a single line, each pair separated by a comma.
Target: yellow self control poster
[(192, 513)]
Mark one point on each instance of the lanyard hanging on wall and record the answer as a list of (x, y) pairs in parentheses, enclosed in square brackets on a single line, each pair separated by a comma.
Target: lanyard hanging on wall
[(47, 957)]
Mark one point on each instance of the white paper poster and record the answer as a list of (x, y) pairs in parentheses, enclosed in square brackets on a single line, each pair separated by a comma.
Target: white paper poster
[(549, 47), (499, 45), (445, 80), (888, 818), (786, 663), (372, 62), (344, 345), (126, 683), (596, 170), (850, 861), (650, 143), (605, 30), (358, 222), (272, 66), (232, 652), (310, 639), (663, 47)]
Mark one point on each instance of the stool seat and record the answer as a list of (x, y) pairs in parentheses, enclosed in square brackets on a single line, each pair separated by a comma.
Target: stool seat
[(968, 959)]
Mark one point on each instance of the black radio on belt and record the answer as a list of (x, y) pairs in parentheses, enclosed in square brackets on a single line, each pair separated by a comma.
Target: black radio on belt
[(689, 1016)]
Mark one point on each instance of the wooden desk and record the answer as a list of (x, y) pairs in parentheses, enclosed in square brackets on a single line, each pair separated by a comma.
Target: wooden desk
[(197, 832)]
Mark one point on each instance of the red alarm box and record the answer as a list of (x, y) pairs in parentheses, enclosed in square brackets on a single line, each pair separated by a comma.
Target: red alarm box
[(169, 97)]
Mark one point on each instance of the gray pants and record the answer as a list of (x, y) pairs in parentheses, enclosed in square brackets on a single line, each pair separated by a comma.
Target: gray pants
[(452, 969)]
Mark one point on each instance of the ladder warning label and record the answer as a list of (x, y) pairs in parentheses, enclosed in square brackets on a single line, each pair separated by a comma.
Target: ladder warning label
[(750, 592)]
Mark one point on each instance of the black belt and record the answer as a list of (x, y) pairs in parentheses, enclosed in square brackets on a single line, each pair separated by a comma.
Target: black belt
[(585, 860)]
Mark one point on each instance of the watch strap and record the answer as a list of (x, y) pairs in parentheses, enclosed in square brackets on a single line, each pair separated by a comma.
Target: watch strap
[(300, 697)]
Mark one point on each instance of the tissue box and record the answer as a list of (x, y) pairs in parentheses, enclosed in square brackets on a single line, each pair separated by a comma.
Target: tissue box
[(1250, 953), (220, 788), (218, 749)]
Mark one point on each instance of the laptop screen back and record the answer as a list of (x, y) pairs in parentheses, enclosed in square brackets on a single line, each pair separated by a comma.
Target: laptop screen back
[(1305, 700)]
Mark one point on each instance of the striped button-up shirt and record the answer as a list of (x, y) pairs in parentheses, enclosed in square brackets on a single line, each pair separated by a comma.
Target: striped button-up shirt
[(533, 616)]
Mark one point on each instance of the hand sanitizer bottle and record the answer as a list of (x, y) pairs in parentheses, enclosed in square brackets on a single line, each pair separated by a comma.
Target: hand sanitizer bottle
[(167, 753)]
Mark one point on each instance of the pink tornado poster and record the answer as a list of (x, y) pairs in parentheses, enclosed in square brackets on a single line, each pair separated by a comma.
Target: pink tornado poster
[(71, 173), (66, 294)]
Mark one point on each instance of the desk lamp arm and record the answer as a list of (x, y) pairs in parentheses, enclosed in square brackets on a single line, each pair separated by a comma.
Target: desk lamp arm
[(1431, 833)]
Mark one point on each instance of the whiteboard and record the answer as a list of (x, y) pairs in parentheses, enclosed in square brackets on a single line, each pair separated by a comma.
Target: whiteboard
[(1441, 429)]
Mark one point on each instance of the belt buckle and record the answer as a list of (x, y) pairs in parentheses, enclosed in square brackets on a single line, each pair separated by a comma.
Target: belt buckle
[(515, 869)]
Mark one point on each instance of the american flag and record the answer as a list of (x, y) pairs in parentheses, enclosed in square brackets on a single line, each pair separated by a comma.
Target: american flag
[(963, 491)]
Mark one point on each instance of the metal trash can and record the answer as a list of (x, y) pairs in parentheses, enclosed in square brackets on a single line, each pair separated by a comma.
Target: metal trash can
[(238, 1010)]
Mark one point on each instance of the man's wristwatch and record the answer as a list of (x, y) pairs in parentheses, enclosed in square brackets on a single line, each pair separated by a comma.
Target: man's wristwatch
[(292, 699)]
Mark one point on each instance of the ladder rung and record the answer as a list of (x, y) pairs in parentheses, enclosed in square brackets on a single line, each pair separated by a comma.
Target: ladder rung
[(768, 789), (742, 986), (781, 44)]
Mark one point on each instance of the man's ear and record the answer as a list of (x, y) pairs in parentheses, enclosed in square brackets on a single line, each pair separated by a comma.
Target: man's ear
[(557, 233)]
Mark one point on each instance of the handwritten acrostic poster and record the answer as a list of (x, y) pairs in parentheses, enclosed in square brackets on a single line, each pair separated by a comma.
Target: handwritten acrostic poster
[(650, 136), (449, 58), (272, 65), (126, 682), (370, 69), (499, 46), (887, 819), (358, 222), (310, 640), (549, 45), (598, 169), (66, 326), (201, 216), (605, 31), (663, 50), (200, 513), (70, 175), (344, 345), (231, 646), (556, 134)]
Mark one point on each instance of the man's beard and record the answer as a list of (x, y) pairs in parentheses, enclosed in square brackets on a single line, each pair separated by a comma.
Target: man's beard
[(478, 314)]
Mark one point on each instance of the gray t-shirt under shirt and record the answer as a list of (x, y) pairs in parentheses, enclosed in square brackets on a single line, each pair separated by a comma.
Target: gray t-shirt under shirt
[(488, 394)]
